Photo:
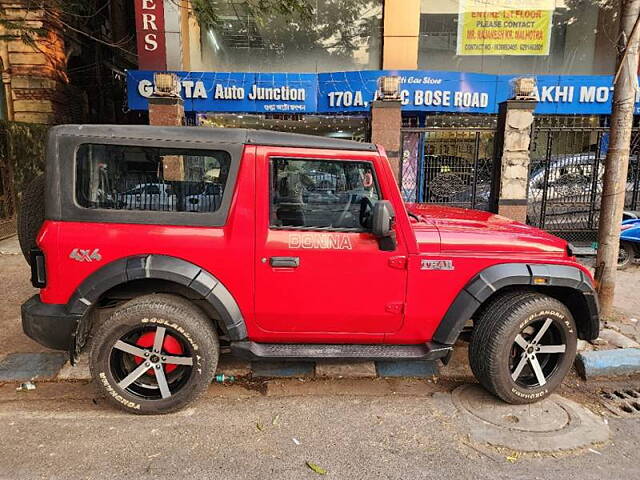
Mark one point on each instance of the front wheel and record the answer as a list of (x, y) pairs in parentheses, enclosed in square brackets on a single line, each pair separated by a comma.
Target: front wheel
[(155, 354), (522, 346), (626, 255)]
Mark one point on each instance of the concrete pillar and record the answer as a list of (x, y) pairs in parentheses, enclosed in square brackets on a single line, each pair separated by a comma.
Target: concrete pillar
[(386, 120), (172, 25), (401, 33), (166, 111), (510, 186)]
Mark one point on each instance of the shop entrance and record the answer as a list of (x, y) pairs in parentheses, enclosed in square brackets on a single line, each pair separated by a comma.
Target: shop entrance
[(347, 127)]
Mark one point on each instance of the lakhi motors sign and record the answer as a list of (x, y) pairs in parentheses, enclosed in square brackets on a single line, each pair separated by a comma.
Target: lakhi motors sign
[(353, 92)]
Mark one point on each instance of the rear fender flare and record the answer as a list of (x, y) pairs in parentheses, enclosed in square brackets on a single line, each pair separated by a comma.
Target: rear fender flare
[(155, 267)]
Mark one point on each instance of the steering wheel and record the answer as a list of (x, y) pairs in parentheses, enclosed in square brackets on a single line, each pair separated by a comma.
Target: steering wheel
[(344, 213), (366, 212)]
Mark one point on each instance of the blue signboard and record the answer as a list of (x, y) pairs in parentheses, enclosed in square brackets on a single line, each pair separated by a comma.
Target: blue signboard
[(353, 92), (420, 90), (233, 92)]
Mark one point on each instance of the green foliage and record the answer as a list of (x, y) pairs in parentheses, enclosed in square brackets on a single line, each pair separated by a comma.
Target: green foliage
[(22, 155), (205, 11)]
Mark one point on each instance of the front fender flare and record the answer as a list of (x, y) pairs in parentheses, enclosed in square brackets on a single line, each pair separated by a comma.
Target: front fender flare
[(491, 279)]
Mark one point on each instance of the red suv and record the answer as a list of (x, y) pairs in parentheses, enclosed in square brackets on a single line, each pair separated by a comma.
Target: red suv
[(160, 243)]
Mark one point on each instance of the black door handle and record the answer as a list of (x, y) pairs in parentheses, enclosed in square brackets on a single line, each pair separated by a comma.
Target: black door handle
[(289, 262)]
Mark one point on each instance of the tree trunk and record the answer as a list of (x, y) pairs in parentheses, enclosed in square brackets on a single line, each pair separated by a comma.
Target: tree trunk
[(617, 161)]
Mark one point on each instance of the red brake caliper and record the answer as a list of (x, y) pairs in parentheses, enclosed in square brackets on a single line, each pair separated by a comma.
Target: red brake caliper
[(171, 345)]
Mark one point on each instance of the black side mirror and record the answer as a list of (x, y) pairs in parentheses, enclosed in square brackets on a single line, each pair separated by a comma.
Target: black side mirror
[(382, 225)]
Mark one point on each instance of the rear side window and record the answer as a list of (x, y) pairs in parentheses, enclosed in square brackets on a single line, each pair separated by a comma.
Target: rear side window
[(123, 177)]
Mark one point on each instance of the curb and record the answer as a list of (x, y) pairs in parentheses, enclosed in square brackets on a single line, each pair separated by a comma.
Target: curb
[(53, 366), (601, 363)]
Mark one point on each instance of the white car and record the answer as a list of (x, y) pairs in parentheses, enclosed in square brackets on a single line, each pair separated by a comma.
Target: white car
[(148, 196), (206, 200)]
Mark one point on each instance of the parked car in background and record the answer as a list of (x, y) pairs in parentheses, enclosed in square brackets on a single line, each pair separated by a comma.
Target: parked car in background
[(148, 196), (206, 200), (629, 243)]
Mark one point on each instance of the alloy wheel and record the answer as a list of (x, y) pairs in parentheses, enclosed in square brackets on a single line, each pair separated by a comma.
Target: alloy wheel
[(623, 256), (536, 353), (151, 363)]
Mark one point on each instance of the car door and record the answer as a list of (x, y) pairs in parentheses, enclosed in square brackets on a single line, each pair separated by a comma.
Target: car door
[(320, 274)]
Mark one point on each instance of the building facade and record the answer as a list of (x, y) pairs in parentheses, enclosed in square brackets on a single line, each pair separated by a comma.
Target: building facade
[(454, 56), (63, 66), (458, 61)]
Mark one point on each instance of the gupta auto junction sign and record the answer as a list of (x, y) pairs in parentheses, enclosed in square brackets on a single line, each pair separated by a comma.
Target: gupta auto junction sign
[(353, 92)]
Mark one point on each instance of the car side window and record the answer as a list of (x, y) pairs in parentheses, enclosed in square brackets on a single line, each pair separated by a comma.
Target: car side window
[(322, 194), (128, 177)]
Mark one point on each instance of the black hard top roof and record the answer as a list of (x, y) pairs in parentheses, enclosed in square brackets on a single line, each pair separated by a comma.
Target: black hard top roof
[(207, 135)]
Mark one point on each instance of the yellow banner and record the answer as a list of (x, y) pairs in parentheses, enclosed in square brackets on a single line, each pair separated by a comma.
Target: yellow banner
[(499, 27)]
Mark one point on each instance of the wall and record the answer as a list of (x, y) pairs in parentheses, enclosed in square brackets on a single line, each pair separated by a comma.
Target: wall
[(33, 76), (401, 30)]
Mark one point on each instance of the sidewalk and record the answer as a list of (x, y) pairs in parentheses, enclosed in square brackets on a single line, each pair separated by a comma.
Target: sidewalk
[(15, 288)]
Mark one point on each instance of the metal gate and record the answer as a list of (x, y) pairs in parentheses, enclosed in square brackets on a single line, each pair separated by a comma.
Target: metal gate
[(7, 194), (565, 180), (447, 166)]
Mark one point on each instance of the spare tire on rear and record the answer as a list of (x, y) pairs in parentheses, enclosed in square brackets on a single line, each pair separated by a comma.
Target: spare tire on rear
[(31, 215)]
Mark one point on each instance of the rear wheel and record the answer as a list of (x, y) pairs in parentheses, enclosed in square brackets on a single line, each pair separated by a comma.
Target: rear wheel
[(522, 346), (155, 354)]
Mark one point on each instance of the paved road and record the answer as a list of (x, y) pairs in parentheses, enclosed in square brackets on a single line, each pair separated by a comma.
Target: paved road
[(372, 429), (367, 429)]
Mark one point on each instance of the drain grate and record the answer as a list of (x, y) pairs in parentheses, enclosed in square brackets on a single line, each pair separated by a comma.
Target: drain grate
[(622, 402)]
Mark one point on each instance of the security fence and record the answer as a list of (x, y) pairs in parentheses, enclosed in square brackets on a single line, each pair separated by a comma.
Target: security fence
[(449, 166), (565, 180)]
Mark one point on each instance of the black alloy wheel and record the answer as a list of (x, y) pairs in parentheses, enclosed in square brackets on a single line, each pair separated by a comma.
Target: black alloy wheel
[(155, 354)]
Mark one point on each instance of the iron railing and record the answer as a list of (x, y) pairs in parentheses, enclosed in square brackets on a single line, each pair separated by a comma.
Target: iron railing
[(449, 166), (565, 180)]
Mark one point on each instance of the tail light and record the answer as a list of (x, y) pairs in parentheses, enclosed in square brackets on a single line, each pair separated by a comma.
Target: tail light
[(38, 271)]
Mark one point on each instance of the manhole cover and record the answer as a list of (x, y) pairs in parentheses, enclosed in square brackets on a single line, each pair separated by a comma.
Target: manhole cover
[(553, 424), (536, 417), (622, 402)]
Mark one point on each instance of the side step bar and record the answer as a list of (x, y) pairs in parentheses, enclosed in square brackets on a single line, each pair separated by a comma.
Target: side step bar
[(306, 351)]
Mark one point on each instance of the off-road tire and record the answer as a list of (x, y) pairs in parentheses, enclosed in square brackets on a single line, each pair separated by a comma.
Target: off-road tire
[(31, 215), (494, 334), (180, 317), (628, 257)]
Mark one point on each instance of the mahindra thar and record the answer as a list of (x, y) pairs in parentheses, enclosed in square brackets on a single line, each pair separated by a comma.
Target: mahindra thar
[(152, 246)]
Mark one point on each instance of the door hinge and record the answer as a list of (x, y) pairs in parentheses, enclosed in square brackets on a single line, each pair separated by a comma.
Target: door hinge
[(399, 262), (395, 308)]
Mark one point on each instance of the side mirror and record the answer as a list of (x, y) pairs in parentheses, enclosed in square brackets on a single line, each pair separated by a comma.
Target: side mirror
[(382, 225)]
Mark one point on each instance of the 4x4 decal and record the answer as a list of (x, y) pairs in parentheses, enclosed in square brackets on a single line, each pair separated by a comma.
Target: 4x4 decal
[(80, 255)]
